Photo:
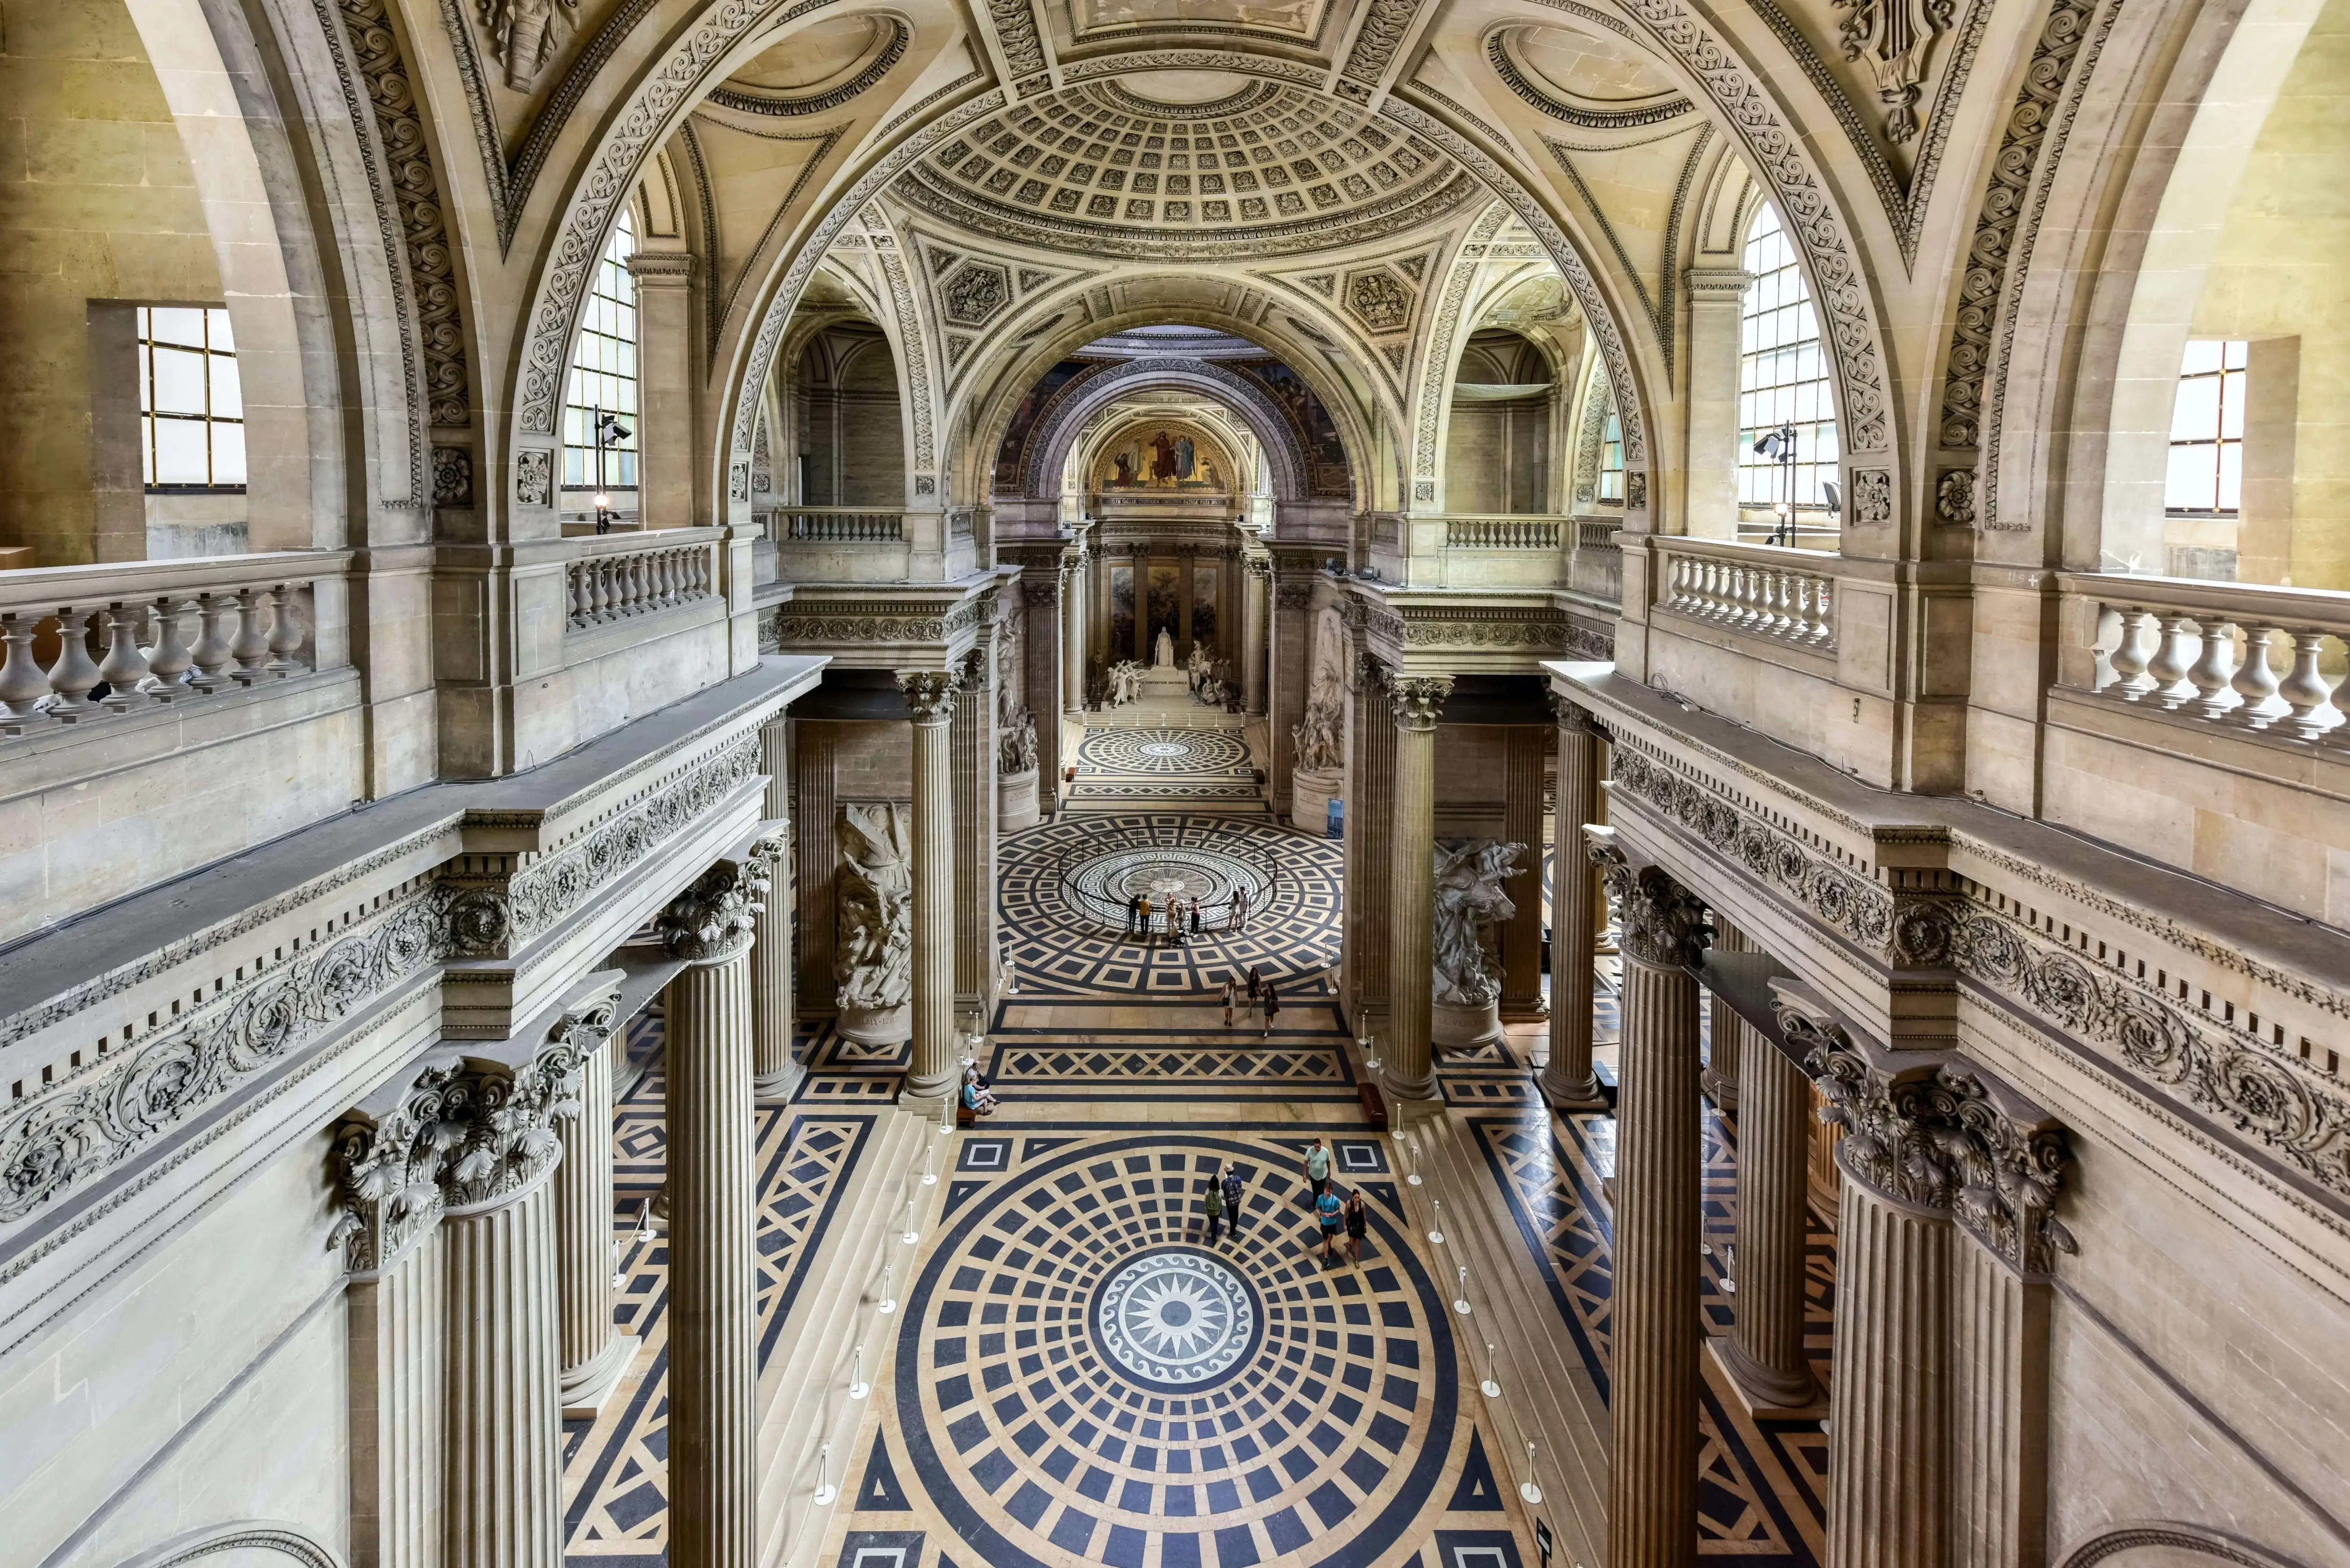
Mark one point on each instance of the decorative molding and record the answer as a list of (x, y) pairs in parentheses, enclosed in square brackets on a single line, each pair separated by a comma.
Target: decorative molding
[(1663, 923), (1385, 23), (746, 101), (534, 477), (1954, 498), (1497, 55), (452, 476), (1436, 375), (1897, 39), (1085, 396), (803, 623), (1872, 498), (915, 353), (2192, 1539), (1016, 34)]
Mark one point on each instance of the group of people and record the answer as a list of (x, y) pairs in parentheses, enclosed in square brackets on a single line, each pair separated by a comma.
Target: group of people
[(977, 1097), (1348, 1216), (1263, 1000), (1178, 920)]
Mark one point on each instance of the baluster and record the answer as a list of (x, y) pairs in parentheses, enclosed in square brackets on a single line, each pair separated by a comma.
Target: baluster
[(2211, 674), (250, 647), (211, 652), (1823, 611), (2256, 681), (169, 660), (1708, 589), (23, 681), (73, 674), (124, 666), (577, 582), (632, 575), (608, 587), (2174, 651), (1750, 598), (2303, 688), (697, 569), (1802, 617), (2129, 655), (1777, 585), (285, 631), (591, 588)]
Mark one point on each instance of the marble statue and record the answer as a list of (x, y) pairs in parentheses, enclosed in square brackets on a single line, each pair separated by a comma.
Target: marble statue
[(1125, 682), (1469, 901), (1199, 665), (1317, 735), (1162, 652), (1015, 750), (874, 893)]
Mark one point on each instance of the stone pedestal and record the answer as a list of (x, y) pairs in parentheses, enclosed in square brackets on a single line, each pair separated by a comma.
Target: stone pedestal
[(1015, 802), (1566, 1080), (877, 1025), (1652, 1403), (1310, 791), (1416, 700), (1457, 1028), (713, 1504), (930, 700)]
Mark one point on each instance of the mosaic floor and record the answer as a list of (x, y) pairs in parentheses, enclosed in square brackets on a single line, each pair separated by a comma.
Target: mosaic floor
[(1196, 767), (1081, 1375)]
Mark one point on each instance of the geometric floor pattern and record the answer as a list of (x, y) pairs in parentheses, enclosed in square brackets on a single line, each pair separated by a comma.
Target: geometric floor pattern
[(1062, 945), (1061, 1050), (1083, 1377), (1129, 765)]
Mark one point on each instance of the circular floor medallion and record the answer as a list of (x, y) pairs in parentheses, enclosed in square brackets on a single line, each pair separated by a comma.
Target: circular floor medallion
[(1175, 1320), (1164, 748), (1166, 754)]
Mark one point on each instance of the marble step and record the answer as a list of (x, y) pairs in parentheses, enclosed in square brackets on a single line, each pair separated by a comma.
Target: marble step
[(1546, 1394), (804, 1390)]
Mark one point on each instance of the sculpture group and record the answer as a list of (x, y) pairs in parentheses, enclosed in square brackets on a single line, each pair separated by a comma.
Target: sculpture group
[(873, 958), (1469, 903)]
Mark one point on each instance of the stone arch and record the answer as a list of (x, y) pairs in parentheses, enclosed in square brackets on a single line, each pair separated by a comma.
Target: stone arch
[(1050, 448), (2167, 1545), (261, 1539)]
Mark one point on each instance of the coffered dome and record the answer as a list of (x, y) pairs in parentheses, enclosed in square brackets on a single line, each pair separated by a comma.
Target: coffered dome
[(1269, 170)]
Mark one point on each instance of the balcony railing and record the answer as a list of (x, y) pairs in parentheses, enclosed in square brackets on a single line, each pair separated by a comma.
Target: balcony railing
[(1501, 533), (2252, 659), (837, 525), (1739, 590), (616, 577), (154, 632)]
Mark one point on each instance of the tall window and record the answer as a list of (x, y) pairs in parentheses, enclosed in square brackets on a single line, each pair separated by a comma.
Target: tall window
[(1611, 459), (1783, 377), (604, 372), (2207, 431), (191, 408)]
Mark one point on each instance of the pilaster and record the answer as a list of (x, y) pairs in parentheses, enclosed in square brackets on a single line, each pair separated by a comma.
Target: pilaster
[(930, 701), (1567, 1081), (776, 1071), (1522, 823), (1415, 700)]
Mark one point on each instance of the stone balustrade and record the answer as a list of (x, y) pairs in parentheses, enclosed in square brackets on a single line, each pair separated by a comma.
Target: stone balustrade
[(1595, 533), (617, 576), (1504, 533), (1742, 588), (2250, 659), (1596, 564), (150, 632), (837, 525)]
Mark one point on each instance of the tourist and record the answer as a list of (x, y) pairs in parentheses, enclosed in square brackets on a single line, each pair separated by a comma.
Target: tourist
[(976, 1097), (1133, 913), (1215, 1208), (1330, 1212), (1255, 987), (1146, 920), (1318, 1168), (1231, 991), (1195, 917), (1235, 1190), (1271, 1006), (1359, 1222), (1240, 908)]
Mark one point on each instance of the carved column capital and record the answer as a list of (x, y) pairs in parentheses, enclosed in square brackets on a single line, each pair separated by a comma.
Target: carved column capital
[(1663, 922), (387, 1171), (1417, 700), (930, 694), (712, 921), (1575, 717), (509, 1114), (2011, 1159), (1370, 673)]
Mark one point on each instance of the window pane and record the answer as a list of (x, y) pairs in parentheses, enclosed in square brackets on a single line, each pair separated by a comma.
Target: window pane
[(180, 452), (147, 448), (2190, 486), (2202, 356), (179, 381), (171, 324), (224, 340), (2231, 477), (2232, 406), (228, 392), (228, 453), (2196, 416)]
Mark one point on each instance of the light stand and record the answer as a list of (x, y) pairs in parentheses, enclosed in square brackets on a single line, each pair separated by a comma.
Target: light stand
[(1779, 445), (609, 432)]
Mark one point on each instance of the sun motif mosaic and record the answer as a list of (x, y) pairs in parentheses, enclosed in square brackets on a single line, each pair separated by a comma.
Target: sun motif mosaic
[(1176, 1320)]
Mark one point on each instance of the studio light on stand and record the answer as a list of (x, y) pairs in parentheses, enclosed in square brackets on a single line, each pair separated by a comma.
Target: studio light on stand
[(609, 432), (1779, 446)]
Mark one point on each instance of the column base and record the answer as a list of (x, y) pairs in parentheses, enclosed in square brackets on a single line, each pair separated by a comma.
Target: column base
[(585, 1391), (1721, 1088), (1590, 1094), (914, 1092), (1765, 1394), (777, 1088), (1423, 1089)]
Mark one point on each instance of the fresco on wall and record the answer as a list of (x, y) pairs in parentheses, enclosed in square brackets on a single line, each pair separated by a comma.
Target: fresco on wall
[(1325, 455), (1204, 607), (1163, 457), (1121, 613), (1012, 456)]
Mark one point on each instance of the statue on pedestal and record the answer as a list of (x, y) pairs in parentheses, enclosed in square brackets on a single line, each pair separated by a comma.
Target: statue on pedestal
[(1162, 652), (1468, 902)]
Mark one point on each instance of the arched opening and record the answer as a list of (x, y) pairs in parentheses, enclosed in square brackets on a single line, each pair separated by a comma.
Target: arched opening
[(850, 439), (1497, 444), (1787, 445), (602, 408)]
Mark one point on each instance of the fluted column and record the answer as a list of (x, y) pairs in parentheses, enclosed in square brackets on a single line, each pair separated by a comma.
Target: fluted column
[(930, 700), (1763, 1353), (1652, 1397), (504, 1502), (1415, 700), (1256, 583), (714, 1504), (1371, 819), (1522, 823), (775, 1072), (1567, 1081), (1730, 1034), (1073, 634), (593, 1355), (972, 748)]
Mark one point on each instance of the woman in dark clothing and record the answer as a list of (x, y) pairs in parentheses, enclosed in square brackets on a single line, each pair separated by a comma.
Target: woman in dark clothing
[(1358, 1223), (1271, 1007)]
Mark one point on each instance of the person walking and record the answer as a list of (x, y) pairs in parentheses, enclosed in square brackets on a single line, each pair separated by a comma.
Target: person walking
[(1240, 908), (1231, 991), (1143, 905), (1133, 912), (1271, 1006), (1235, 1190), (1331, 1212), (1255, 987), (1215, 1208), (1195, 920), (1358, 1223), (1318, 1168)]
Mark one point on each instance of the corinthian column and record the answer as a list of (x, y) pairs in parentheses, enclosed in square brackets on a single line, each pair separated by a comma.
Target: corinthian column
[(1416, 700), (1763, 1355), (713, 1500), (775, 1072), (592, 1357), (1732, 1039), (504, 1502), (1256, 583), (930, 699), (1567, 1081), (1073, 632), (1653, 1375)]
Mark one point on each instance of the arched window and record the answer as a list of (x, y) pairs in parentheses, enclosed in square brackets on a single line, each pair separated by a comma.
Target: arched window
[(1611, 458), (603, 378), (1783, 387)]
